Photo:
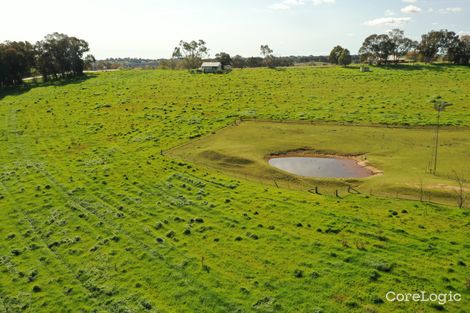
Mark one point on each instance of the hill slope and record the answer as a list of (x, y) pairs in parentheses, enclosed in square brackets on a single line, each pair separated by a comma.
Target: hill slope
[(93, 217)]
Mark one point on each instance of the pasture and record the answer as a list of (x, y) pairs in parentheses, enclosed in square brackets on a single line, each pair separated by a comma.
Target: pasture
[(403, 157), (98, 215)]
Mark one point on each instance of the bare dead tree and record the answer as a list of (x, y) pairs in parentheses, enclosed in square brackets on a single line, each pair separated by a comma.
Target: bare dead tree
[(461, 189)]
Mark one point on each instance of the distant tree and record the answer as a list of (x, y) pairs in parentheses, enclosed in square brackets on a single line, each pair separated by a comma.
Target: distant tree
[(335, 54), (223, 58), (255, 62), (60, 55), (283, 61), (171, 64), (400, 44), (376, 49), (430, 45), (191, 52), (444, 43), (16, 62), (268, 55), (90, 62), (413, 54), (266, 51), (449, 44), (238, 61), (462, 56), (57, 55), (345, 58), (459, 52)]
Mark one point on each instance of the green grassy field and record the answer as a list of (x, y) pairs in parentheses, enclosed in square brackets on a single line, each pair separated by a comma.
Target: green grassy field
[(94, 218), (404, 155)]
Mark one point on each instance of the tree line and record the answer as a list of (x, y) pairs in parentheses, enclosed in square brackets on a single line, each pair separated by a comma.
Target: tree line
[(56, 56), (393, 47), (190, 55), (390, 48), (60, 56)]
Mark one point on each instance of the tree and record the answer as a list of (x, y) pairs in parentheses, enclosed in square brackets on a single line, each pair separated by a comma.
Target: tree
[(345, 58), (238, 61), (439, 106), (335, 54), (443, 42), (224, 58), (90, 62), (449, 44), (461, 196), (429, 46), (16, 62), (460, 54), (446, 43), (376, 49), (413, 55), (76, 49), (464, 50), (255, 62), (267, 53), (191, 52), (59, 55), (400, 44)]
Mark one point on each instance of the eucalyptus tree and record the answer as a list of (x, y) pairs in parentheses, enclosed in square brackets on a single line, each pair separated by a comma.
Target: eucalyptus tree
[(16, 62), (434, 43), (376, 49), (430, 45), (335, 54), (191, 53), (59, 55), (460, 53), (224, 58), (90, 62), (401, 45), (268, 55), (345, 58), (239, 61)]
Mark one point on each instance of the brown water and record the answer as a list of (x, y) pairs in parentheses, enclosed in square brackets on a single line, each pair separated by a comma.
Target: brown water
[(321, 167)]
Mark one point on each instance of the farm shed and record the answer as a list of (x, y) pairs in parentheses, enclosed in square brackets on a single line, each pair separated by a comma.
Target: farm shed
[(211, 67), (394, 59)]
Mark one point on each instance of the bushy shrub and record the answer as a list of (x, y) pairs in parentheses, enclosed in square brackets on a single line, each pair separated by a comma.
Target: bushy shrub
[(384, 267), (299, 273)]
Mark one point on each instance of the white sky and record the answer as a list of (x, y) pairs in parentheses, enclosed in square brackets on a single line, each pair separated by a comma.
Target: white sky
[(152, 28)]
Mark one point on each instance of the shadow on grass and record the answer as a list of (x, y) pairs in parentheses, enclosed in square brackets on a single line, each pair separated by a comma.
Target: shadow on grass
[(277, 69), (409, 67), (417, 67), (27, 86)]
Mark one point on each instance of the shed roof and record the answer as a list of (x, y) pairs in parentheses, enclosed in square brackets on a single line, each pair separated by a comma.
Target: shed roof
[(211, 64)]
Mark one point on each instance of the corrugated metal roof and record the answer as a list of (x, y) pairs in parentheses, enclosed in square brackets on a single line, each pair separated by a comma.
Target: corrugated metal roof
[(211, 64)]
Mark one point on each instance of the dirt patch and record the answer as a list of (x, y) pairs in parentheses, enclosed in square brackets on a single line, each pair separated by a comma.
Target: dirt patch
[(442, 187)]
